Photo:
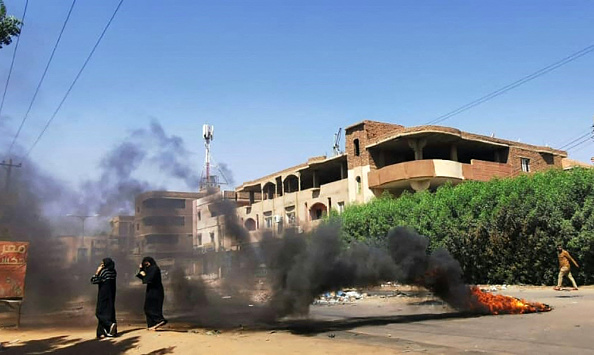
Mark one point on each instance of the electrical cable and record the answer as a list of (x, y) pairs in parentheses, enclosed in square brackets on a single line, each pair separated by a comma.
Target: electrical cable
[(42, 77), (75, 79), (515, 84), (16, 47)]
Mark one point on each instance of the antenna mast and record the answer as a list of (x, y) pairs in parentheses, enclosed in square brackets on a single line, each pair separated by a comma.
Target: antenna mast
[(208, 135), (336, 146)]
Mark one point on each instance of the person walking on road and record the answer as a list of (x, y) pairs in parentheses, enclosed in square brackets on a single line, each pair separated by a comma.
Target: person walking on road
[(565, 268), (150, 274), (105, 278)]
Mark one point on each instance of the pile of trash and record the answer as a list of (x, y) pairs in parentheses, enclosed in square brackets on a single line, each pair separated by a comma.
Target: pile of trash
[(339, 297)]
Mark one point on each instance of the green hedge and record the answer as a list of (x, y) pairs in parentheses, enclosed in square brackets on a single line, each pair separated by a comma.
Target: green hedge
[(501, 231)]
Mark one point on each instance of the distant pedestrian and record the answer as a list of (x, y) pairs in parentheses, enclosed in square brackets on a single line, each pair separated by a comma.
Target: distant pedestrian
[(565, 268), (150, 274), (105, 278)]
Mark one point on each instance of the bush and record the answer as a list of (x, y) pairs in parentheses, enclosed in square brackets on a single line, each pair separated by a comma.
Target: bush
[(501, 231)]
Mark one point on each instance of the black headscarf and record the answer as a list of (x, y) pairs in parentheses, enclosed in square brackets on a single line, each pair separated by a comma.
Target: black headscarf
[(108, 264), (149, 260)]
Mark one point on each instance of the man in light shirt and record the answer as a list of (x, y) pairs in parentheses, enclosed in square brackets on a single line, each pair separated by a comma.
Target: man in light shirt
[(565, 268)]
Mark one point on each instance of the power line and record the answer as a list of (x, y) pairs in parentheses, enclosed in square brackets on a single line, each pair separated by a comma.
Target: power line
[(585, 146), (75, 79), (585, 140), (568, 142), (576, 139), (16, 47), (42, 77), (515, 84)]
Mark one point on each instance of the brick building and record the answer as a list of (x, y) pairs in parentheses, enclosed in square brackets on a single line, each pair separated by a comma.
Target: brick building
[(383, 157)]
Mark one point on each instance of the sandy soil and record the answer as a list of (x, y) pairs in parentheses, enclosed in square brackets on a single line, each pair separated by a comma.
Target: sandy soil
[(134, 340), (379, 324)]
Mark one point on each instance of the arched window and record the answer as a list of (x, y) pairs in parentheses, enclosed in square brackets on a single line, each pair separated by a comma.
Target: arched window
[(358, 180), (317, 211), (250, 224)]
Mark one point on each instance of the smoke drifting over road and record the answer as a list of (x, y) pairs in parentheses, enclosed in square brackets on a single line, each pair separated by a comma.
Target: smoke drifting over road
[(304, 269), (34, 207), (300, 267)]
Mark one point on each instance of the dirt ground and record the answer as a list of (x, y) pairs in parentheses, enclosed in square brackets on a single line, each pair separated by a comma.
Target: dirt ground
[(406, 322)]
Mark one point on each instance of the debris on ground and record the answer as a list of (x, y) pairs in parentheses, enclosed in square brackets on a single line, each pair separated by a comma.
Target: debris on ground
[(339, 297)]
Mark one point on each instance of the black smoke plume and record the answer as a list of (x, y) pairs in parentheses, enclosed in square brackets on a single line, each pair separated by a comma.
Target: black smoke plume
[(306, 268), (301, 267), (34, 207), (114, 191)]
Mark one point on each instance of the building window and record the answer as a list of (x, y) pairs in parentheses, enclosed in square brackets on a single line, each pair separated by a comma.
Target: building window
[(250, 224), (291, 218), (525, 162), (340, 207), (358, 180), (212, 238), (164, 221), (199, 239), (199, 216), (356, 143), (164, 203), (268, 222), (137, 226)]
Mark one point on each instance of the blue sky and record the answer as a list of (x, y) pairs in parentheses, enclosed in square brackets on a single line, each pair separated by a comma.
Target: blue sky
[(278, 78)]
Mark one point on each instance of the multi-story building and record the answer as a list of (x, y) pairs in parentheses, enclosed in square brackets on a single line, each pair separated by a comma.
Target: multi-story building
[(164, 224), (379, 157), (121, 238), (383, 157), (72, 249)]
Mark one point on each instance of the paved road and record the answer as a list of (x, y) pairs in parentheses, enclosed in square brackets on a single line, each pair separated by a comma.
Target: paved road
[(427, 326)]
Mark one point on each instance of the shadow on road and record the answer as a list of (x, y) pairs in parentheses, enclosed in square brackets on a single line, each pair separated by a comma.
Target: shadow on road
[(313, 327), (62, 345)]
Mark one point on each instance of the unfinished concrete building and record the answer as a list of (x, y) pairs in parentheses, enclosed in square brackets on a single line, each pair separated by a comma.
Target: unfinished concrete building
[(383, 157)]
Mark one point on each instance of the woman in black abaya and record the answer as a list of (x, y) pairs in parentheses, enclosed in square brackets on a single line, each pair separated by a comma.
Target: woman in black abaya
[(105, 278), (150, 274)]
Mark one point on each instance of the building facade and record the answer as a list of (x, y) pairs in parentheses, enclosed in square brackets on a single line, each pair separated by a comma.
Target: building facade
[(379, 157), (121, 238), (164, 224), (382, 157)]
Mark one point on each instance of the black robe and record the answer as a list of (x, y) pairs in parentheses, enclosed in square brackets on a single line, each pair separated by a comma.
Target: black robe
[(155, 294), (105, 310)]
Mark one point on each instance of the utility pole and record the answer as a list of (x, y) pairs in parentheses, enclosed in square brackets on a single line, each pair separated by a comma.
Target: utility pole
[(83, 218), (9, 166)]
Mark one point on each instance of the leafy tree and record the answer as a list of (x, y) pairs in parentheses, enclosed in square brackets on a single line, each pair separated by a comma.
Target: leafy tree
[(10, 26)]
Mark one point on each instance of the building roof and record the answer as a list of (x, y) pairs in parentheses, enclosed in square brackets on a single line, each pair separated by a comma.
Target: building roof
[(170, 194), (417, 130), (570, 163), (313, 161), (393, 132)]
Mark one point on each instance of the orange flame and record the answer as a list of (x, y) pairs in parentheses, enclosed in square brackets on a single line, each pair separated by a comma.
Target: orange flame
[(500, 304)]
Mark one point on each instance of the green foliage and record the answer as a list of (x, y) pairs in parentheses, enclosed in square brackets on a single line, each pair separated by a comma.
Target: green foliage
[(501, 231), (10, 26)]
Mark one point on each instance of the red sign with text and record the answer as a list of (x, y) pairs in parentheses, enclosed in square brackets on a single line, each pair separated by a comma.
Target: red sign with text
[(13, 266)]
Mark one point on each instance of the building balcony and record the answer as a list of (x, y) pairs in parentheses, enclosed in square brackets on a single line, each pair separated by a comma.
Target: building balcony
[(422, 174), (335, 188)]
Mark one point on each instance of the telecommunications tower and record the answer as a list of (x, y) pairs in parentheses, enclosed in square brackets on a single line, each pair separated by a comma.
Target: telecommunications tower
[(207, 180)]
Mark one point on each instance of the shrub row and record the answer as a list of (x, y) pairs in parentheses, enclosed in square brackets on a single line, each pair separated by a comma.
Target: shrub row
[(501, 231)]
